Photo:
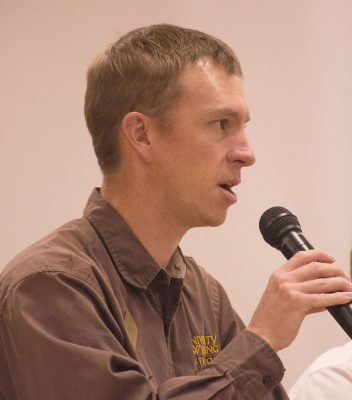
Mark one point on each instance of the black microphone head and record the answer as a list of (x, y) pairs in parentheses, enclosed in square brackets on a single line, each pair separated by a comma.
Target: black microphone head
[(275, 223)]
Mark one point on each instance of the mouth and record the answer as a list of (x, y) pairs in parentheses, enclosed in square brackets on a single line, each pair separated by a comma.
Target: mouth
[(227, 186), (226, 189)]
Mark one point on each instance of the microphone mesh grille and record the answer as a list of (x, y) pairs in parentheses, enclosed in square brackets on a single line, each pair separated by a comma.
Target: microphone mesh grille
[(273, 223)]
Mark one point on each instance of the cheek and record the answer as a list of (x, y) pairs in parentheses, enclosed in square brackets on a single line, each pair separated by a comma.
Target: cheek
[(189, 164)]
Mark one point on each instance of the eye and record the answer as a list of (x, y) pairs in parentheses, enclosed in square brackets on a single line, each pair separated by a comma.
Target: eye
[(223, 124)]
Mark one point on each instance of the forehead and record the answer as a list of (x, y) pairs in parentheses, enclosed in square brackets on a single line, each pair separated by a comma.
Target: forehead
[(207, 88)]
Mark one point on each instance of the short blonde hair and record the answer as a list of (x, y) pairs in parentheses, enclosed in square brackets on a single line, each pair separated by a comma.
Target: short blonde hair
[(140, 72)]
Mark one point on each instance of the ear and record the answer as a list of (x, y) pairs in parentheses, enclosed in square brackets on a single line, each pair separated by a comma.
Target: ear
[(134, 128)]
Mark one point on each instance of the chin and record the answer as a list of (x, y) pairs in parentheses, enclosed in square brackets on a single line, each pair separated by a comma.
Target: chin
[(216, 223), (214, 220)]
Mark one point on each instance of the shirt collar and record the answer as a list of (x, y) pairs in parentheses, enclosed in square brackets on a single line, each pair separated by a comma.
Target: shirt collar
[(129, 255)]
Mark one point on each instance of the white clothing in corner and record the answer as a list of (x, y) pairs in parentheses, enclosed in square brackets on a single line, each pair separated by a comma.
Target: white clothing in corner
[(329, 377)]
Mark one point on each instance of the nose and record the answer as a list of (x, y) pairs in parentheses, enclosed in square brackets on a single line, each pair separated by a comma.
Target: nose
[(241, 151)]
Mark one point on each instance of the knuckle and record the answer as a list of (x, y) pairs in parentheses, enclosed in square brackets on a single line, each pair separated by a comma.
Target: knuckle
[(325, 299), (315, 265), (321, 253), (345, 283), (300, 255), (283, 287), (330, 299), (296, 298), (322, 285), (308, 308), (277, 278), (331, 285)]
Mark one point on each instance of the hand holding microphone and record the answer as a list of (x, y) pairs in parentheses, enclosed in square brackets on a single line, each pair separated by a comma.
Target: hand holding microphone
[(281, 229), (307, 283)]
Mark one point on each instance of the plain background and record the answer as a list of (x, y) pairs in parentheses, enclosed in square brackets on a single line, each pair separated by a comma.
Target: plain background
[(297, 60)]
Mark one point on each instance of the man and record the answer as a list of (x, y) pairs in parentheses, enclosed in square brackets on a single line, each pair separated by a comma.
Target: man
[(329, 376), (107, 306)]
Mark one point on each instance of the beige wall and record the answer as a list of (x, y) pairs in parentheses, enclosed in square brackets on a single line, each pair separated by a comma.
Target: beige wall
[(297, 58)]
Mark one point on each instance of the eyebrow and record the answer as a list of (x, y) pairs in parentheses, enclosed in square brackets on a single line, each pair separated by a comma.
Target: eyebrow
[(230, 112)]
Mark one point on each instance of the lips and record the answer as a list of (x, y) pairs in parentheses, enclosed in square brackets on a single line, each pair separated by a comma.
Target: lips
[(227, 186), (229, 183)]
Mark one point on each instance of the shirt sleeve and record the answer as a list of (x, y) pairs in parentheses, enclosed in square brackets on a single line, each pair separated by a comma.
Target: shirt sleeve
[(256, 368), (238, 372), (61, 341)]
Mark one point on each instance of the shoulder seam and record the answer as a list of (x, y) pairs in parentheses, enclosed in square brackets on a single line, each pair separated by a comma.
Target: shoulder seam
[(46, 269)]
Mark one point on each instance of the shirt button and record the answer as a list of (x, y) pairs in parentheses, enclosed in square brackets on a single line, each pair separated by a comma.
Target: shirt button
[(267, 380)]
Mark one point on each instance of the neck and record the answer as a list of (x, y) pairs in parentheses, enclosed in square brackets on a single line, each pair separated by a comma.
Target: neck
[(145, 216)]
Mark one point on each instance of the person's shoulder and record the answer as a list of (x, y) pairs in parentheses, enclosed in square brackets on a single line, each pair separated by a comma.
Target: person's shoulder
[(56, 252), (329, 376), (334, 358)]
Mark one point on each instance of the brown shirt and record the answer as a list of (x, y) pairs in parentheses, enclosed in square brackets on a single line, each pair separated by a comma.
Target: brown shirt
[(86, 313)]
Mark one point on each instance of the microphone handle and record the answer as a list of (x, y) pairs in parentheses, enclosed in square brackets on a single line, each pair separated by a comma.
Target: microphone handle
[(293, 242)]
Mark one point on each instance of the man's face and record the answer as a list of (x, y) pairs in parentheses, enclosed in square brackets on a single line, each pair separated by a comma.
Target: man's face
[(200, 156)]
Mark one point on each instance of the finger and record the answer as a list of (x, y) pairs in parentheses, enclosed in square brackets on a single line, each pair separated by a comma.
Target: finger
[(323, 300), (305, 257), (316, 270), (318, 310), (323, 285)]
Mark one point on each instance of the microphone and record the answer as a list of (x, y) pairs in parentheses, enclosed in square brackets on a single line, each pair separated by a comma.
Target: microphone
[(281, 229)]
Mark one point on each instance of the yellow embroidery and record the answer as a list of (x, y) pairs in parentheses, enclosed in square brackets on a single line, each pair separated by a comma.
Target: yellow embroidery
[(205, 348)]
